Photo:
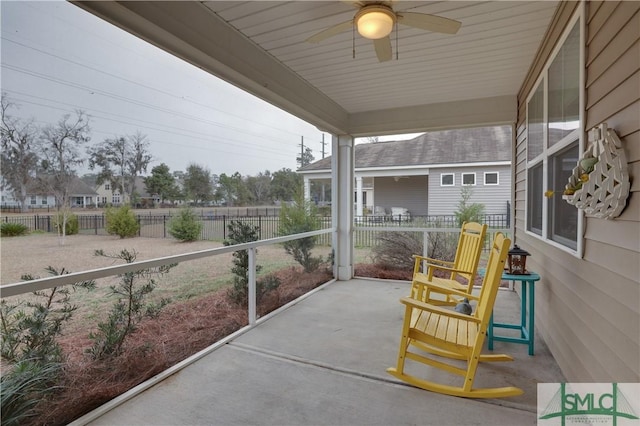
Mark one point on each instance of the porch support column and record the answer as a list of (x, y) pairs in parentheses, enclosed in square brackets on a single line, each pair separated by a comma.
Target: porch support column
[(307, 189), (359, 196), (342, 175)]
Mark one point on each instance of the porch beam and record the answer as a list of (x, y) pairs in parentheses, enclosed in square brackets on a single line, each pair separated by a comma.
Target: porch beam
[(446, 115)]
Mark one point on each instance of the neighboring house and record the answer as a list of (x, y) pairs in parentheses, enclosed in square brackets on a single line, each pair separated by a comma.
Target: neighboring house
[(81, 195), (106, 194), (425, 175)]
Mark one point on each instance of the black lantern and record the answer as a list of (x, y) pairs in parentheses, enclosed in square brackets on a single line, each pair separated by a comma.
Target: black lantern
[(517, 261)]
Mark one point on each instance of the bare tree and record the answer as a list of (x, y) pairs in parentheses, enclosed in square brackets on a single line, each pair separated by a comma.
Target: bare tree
[(19, 158), (138, 160), (60, 147), (121, 160)]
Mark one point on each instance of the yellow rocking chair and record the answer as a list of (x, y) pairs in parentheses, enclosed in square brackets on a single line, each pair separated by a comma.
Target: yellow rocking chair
[(464, 266), (449, 334)]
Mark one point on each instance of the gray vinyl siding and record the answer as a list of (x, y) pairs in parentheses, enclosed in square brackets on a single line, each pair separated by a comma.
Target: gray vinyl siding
[(588, 310), (444, 200), (408, 192)]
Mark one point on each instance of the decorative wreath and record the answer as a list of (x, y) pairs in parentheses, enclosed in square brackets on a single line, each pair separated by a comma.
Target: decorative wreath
[(599, 184)]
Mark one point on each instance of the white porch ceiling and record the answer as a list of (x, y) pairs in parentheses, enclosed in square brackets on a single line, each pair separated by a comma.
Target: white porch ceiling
[(438, 81)]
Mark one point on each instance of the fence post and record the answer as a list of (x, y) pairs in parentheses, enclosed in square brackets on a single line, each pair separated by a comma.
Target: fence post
[(259, 227), (95, 223), (139, 226), (224, 226), (164, 226)]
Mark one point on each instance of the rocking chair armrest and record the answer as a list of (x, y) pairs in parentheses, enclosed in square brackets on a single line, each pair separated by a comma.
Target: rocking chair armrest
[(431, 260), (447, 268), (408, 301), (438, 288)]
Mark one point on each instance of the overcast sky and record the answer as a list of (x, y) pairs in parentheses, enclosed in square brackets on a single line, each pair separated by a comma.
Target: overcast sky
[(56, 58)]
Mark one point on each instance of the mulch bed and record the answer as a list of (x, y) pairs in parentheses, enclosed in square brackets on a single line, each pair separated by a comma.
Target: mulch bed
[(179, 331)]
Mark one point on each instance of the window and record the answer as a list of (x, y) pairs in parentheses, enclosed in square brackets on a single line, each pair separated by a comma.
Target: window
[(107, 186), (534, 199), (563, 217), (468, 178), (491, 178), (553, 144), (564, 94), (115, 199), (43, 201), (33, 199), (447, 179)]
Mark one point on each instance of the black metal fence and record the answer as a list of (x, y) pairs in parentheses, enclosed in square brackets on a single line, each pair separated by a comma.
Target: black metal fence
[(214, 227)]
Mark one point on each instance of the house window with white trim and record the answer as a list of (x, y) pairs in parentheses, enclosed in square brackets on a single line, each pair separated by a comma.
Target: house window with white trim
[(115, 198), (468, 179), (491, 178), (43, 201), (33, 200), (107, 187), (554, 132), (447, 179)]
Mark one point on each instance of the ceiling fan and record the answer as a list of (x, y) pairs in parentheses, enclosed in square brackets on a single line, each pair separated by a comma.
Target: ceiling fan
[(375, 21)]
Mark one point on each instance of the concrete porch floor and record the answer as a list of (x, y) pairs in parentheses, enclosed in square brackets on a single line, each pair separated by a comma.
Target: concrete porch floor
[(322, 362)]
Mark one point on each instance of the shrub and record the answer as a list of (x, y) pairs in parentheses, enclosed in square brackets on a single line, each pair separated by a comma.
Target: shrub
[(71, 227), (185, 226), (468, 212), (13, 229), (295, 219), (29, 340), (23, 388), (121, 222), (394, 250), (130, 308), (30, 332), (243, 233)]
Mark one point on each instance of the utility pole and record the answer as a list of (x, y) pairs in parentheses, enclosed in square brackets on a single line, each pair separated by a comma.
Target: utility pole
[(323, 144), (301, 151)]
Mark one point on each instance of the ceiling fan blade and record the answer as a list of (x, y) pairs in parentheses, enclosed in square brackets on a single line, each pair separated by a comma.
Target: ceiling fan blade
[(437, 24), (330, 32), (383, 48)]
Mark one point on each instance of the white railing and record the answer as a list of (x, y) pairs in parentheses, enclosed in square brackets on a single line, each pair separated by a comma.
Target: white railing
[(425, 232), (23, 287)]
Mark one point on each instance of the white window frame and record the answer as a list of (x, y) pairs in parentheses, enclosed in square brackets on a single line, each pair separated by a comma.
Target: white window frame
[(33, 200), (548, 152), (475, 182), (453, 179), (492, 173), (107, 187)]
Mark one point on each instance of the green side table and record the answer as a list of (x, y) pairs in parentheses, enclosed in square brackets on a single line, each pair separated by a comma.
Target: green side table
[(526, 327)]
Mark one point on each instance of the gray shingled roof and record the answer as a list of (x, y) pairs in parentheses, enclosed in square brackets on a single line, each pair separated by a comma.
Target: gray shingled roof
[(77, 188), (471, 145)]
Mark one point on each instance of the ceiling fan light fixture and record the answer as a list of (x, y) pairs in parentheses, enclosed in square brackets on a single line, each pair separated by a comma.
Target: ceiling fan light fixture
[(375, 22)]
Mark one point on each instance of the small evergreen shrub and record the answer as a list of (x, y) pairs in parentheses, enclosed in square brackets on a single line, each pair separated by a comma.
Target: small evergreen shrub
[(13, 229), (295, 219), (121, 222), (185, 226), (71, 227), (239, 293), (468, 212), (131, 307)]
